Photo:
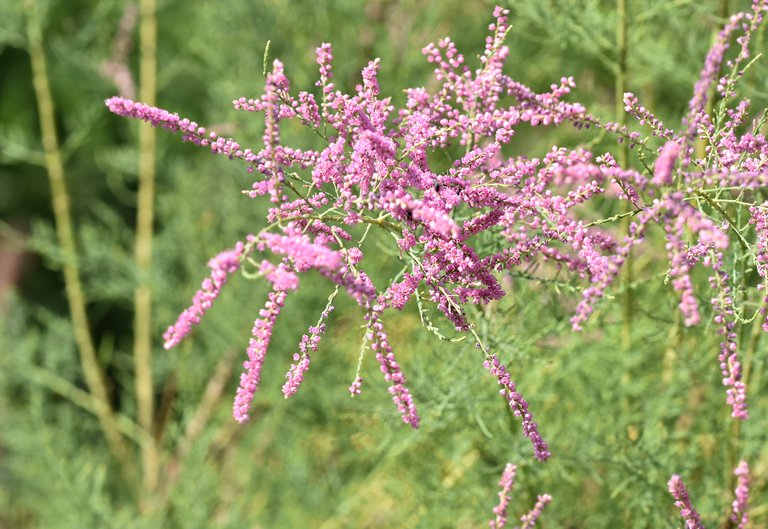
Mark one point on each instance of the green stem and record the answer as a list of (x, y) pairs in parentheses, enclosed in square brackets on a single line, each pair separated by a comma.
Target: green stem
[(94, 377), (731, 223), (142, 349), (82, 399)]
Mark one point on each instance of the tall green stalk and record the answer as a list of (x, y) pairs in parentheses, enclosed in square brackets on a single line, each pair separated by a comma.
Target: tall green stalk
[(142, 351)]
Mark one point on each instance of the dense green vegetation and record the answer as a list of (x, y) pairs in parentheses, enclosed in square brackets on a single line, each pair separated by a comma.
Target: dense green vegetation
[(622, 413)]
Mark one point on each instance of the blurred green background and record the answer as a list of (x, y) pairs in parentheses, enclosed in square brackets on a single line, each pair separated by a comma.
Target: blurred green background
[(620, 420)]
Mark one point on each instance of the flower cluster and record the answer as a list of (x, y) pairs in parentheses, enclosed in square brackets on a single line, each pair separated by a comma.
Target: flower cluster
[(739, 505), (529, 520), (739, 515), (506, 483), (373, 171), (257, 350), (295, 375), (518, 405), (683, 503), (221, 266)]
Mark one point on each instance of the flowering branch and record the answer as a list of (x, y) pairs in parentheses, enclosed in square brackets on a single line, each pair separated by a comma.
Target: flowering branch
[(457, 232)]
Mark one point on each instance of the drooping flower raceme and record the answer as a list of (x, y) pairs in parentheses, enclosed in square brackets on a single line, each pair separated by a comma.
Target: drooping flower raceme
[(222, 266), (739, 505), (683, 503), (518, 405), (506, 483), (529, 519), (295, 375), (257, 350)]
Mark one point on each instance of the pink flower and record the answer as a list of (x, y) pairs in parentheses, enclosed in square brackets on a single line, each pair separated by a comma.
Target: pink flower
[(683, 503), (665, 163), (222, 266), (505, 483), (257, 350), (740, 515), (519, 406)]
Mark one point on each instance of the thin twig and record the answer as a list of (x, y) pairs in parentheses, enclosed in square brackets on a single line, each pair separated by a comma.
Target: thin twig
[(731, 223)]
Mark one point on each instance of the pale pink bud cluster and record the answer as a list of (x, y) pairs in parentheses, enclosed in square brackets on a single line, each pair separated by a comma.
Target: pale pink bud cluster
[(645, 117), (257, 351), (379, 342), (295, 375), (302, 251), (683, 503), (505, 484), (324, 59), (730, 365), (739, 506), (518, 405), (709, 74), (529, 520), (665, 163), (356, 387), (191, 131), (759, 218)]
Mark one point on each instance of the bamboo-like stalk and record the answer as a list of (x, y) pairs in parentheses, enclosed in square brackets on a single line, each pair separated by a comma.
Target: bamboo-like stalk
[(94, 377), (142, 350), (620, 86)]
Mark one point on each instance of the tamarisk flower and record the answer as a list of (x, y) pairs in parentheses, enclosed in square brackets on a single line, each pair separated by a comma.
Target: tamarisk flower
[(676, 214), (222, 266), (759, 218), (597, 289), (191, 131), (683, 503), (379, 342), (646, 117), (518, 405), (295, 375), (529, 520), (740, 515), (302, 251), (281, 277), (400, 293), (257, 350), (662, 169), (505, 483), (730, 366), (356, 387), (709, 74)]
